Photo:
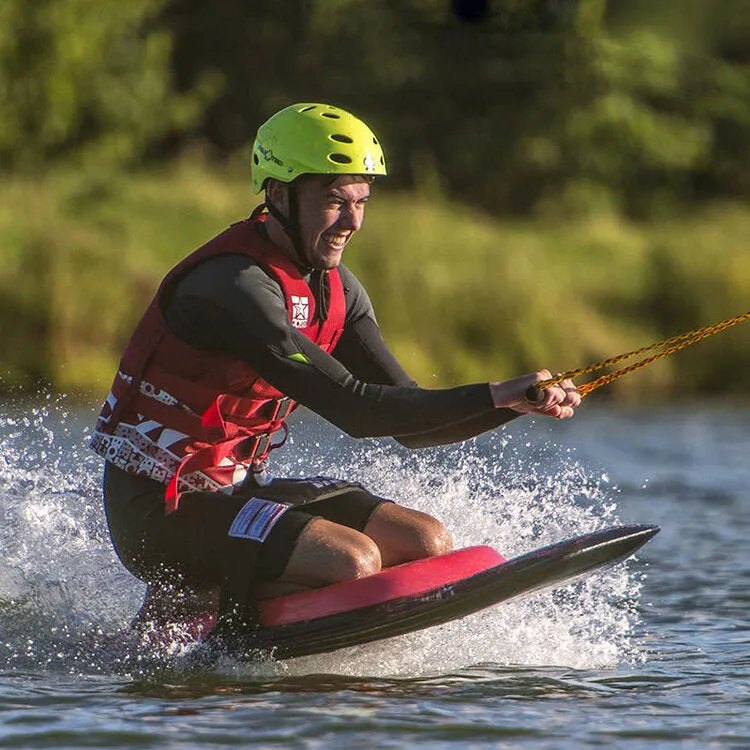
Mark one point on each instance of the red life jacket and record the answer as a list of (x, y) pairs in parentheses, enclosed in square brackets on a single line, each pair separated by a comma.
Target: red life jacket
[(195, 419)]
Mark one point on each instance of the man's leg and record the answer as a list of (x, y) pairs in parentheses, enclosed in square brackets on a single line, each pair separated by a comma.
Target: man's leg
[(325, 553), (328, 552), (342, 538), (402, 534)]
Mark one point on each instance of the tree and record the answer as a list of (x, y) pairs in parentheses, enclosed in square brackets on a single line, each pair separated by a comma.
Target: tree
[(88, 83)]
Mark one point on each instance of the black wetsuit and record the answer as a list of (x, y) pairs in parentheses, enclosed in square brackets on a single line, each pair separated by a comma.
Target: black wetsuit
[(230, 304)]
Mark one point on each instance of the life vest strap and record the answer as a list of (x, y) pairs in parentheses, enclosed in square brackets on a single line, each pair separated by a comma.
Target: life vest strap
[(251, 449)]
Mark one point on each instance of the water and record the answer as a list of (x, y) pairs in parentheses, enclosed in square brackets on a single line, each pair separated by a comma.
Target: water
[(651, 654)]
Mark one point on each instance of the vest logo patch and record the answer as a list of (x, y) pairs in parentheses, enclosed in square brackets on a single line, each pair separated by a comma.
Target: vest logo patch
[(300, 311)]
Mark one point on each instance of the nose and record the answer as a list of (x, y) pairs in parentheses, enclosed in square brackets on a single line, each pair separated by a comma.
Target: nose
[(351, 218)]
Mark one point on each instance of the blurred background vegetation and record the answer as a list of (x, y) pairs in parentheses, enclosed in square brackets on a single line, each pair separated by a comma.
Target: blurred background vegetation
[(569, 179)]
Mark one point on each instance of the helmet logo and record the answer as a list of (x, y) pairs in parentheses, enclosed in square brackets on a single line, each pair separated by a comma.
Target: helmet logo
[(268, 155), (369, 163)]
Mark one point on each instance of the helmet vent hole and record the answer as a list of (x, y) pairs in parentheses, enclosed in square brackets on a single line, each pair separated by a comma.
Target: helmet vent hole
[(256, 159), (307, 109), (332, 115), (340, 158), (340, 138)]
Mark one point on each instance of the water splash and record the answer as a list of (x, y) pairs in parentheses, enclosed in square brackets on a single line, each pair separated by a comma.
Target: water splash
[(64, 595), (61, 584), (514, 494)]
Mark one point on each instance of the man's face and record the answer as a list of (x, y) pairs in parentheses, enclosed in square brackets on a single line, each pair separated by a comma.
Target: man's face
[(330, 212)]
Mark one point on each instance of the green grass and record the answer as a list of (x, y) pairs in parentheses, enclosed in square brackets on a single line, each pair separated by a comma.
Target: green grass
[(459, 295)]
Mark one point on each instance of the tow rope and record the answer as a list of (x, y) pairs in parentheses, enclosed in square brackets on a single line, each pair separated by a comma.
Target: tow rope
[(660, 349)]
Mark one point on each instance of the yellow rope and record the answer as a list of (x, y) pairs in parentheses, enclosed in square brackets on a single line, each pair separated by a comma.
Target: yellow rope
[(667, 347)]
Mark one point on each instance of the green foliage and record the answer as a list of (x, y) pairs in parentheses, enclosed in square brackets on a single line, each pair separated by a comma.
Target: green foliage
[(79, 265), (549, 107), (578, 170), (87, 83), (460, 297), (623, 130)]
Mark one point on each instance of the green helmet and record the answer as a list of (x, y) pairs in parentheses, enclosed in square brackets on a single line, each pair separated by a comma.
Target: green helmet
[(314, 138)]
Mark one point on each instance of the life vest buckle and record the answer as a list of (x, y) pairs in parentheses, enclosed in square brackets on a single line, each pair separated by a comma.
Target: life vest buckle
[(282, 408), (261, 445), (253, 448)]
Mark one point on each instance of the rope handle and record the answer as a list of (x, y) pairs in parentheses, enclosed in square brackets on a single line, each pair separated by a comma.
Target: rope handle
[(669, 346)]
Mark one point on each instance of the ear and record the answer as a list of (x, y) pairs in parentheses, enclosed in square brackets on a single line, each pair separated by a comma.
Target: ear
[(277, 193)]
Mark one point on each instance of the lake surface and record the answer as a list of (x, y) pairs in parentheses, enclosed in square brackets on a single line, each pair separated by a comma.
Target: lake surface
[(654, 653)]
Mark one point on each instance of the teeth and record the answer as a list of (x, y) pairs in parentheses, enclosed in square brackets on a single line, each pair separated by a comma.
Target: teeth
[(337, 240)]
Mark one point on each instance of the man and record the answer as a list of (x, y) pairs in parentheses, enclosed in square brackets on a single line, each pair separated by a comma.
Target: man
[(261, 318)]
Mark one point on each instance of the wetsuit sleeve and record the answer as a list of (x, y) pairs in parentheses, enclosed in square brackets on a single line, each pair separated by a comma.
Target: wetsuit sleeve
[(231, 305), (365, 354)]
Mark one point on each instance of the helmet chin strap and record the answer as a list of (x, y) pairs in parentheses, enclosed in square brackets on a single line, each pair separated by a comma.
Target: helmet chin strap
[(318, 279), (290, 224)]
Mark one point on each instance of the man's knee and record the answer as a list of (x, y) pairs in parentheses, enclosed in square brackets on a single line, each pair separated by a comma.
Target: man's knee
[(403, 534), (328, 553), (434, 536), (356, 560)]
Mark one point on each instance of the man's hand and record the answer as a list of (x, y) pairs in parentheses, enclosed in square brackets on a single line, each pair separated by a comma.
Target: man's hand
[(558, 401)]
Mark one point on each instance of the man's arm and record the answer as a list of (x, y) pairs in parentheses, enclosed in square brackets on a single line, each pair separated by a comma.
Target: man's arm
[(229, 304), (364, 352)]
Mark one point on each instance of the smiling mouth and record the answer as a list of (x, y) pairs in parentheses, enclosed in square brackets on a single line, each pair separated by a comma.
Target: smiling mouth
[(336, 241)]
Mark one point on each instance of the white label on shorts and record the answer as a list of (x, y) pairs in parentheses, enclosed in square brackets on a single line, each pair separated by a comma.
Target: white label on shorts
[(256, 519)]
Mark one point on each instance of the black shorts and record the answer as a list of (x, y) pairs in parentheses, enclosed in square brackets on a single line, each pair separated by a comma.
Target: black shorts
[(193, 547)]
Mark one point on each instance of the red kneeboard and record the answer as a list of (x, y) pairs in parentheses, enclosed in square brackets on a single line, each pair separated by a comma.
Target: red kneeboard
[(408, 580), (414, 595)]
